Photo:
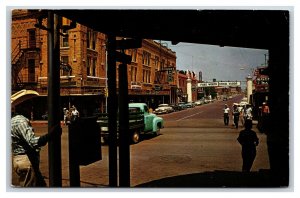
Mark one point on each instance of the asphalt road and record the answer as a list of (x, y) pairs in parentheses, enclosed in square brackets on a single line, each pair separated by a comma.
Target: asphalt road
[(194, 149)]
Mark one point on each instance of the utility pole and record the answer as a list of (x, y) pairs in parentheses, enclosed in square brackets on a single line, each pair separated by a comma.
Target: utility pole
[(112, 110), (54, 145)]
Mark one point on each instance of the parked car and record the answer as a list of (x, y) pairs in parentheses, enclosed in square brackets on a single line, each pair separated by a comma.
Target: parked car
[(163, 108), (176, 107), (206, 101), (199, 102), (190, 105), (182, 105)]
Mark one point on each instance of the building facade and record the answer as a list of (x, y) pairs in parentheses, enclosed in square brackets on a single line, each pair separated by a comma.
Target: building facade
[(152, 74), (182, 90), (83, 66)]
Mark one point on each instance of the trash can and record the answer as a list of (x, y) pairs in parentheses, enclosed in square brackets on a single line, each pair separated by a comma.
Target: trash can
[(85, 141)]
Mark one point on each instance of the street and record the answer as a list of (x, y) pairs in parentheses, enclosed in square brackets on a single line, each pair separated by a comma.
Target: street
[(194, 144)]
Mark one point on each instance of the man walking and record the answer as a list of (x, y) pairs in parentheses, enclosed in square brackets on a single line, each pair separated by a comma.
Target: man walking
[(74, 114), (236, 115), (249, 140), (226, 115)]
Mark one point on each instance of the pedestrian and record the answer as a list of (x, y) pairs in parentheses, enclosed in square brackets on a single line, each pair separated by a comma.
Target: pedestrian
[(236, 115), (66, 115), (248, 112), (265, 109), (26, 150), (249, 140), (226, 115), (242, 115), (74, 114), (264, 120)]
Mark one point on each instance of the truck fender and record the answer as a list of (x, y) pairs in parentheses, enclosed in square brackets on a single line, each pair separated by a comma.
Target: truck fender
[(157, 124)]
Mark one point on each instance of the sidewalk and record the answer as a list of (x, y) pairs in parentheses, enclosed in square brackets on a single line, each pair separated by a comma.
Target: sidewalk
[(42, 122)]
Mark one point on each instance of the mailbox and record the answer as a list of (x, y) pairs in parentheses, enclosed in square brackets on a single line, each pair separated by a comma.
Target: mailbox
[(84, 141)]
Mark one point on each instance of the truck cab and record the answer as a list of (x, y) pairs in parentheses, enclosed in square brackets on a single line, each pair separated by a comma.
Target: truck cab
[(152, 122), (140, 122)]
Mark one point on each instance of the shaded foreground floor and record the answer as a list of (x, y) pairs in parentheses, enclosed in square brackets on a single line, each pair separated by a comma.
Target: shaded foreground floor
[(218, 178), (209, 179)]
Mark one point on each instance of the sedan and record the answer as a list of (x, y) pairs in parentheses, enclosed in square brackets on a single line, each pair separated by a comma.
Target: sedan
[(163, 108), (199, 102), (190, 105), (182, 105), (176, 107)]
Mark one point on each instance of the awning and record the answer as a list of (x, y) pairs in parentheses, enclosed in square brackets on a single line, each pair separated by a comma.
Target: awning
[(22, 96)]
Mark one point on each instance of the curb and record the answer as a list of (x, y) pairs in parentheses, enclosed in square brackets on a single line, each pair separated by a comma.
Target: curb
[(42, 123)]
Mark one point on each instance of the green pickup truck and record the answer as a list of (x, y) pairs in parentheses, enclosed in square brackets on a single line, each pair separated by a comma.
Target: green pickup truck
[(140, 122)]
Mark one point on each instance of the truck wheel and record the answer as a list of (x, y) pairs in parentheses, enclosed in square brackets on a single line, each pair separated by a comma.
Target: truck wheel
[(158, 131), (135, 136)]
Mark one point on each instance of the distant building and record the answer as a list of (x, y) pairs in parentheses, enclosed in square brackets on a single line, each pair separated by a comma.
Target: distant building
[(182, 86)]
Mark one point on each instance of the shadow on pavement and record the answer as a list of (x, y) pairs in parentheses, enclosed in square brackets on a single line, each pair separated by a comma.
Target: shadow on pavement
[(218, 178)]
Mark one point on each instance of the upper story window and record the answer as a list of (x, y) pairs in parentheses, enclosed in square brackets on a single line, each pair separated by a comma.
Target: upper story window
[(156, 63), (91, 66), (88, 66), (31, 38), (162, 64), (66, 68), (91, 39), (94, 40), (134, 55), (146, 58), (168, 63), (146, 75), (94, 67), (64, 39), (133, 73)]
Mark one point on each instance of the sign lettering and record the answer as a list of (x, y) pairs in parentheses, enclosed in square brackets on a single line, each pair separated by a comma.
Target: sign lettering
[(220, 84)]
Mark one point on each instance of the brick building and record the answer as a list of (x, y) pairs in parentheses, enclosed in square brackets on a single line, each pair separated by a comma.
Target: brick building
[(148, 76), (83, 66)]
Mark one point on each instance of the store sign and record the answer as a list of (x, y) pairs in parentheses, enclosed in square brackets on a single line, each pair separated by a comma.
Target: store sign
[(169, 69), (170, 76), (209, 84), (220, 84), (231, 84), (136, 87)]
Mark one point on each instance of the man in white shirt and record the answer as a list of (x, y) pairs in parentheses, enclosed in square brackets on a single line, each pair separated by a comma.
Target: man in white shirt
[(226, 115), (248, 112), (75, 113)]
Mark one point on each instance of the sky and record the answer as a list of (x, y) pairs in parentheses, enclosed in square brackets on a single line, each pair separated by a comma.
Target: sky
[(215, 62)]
